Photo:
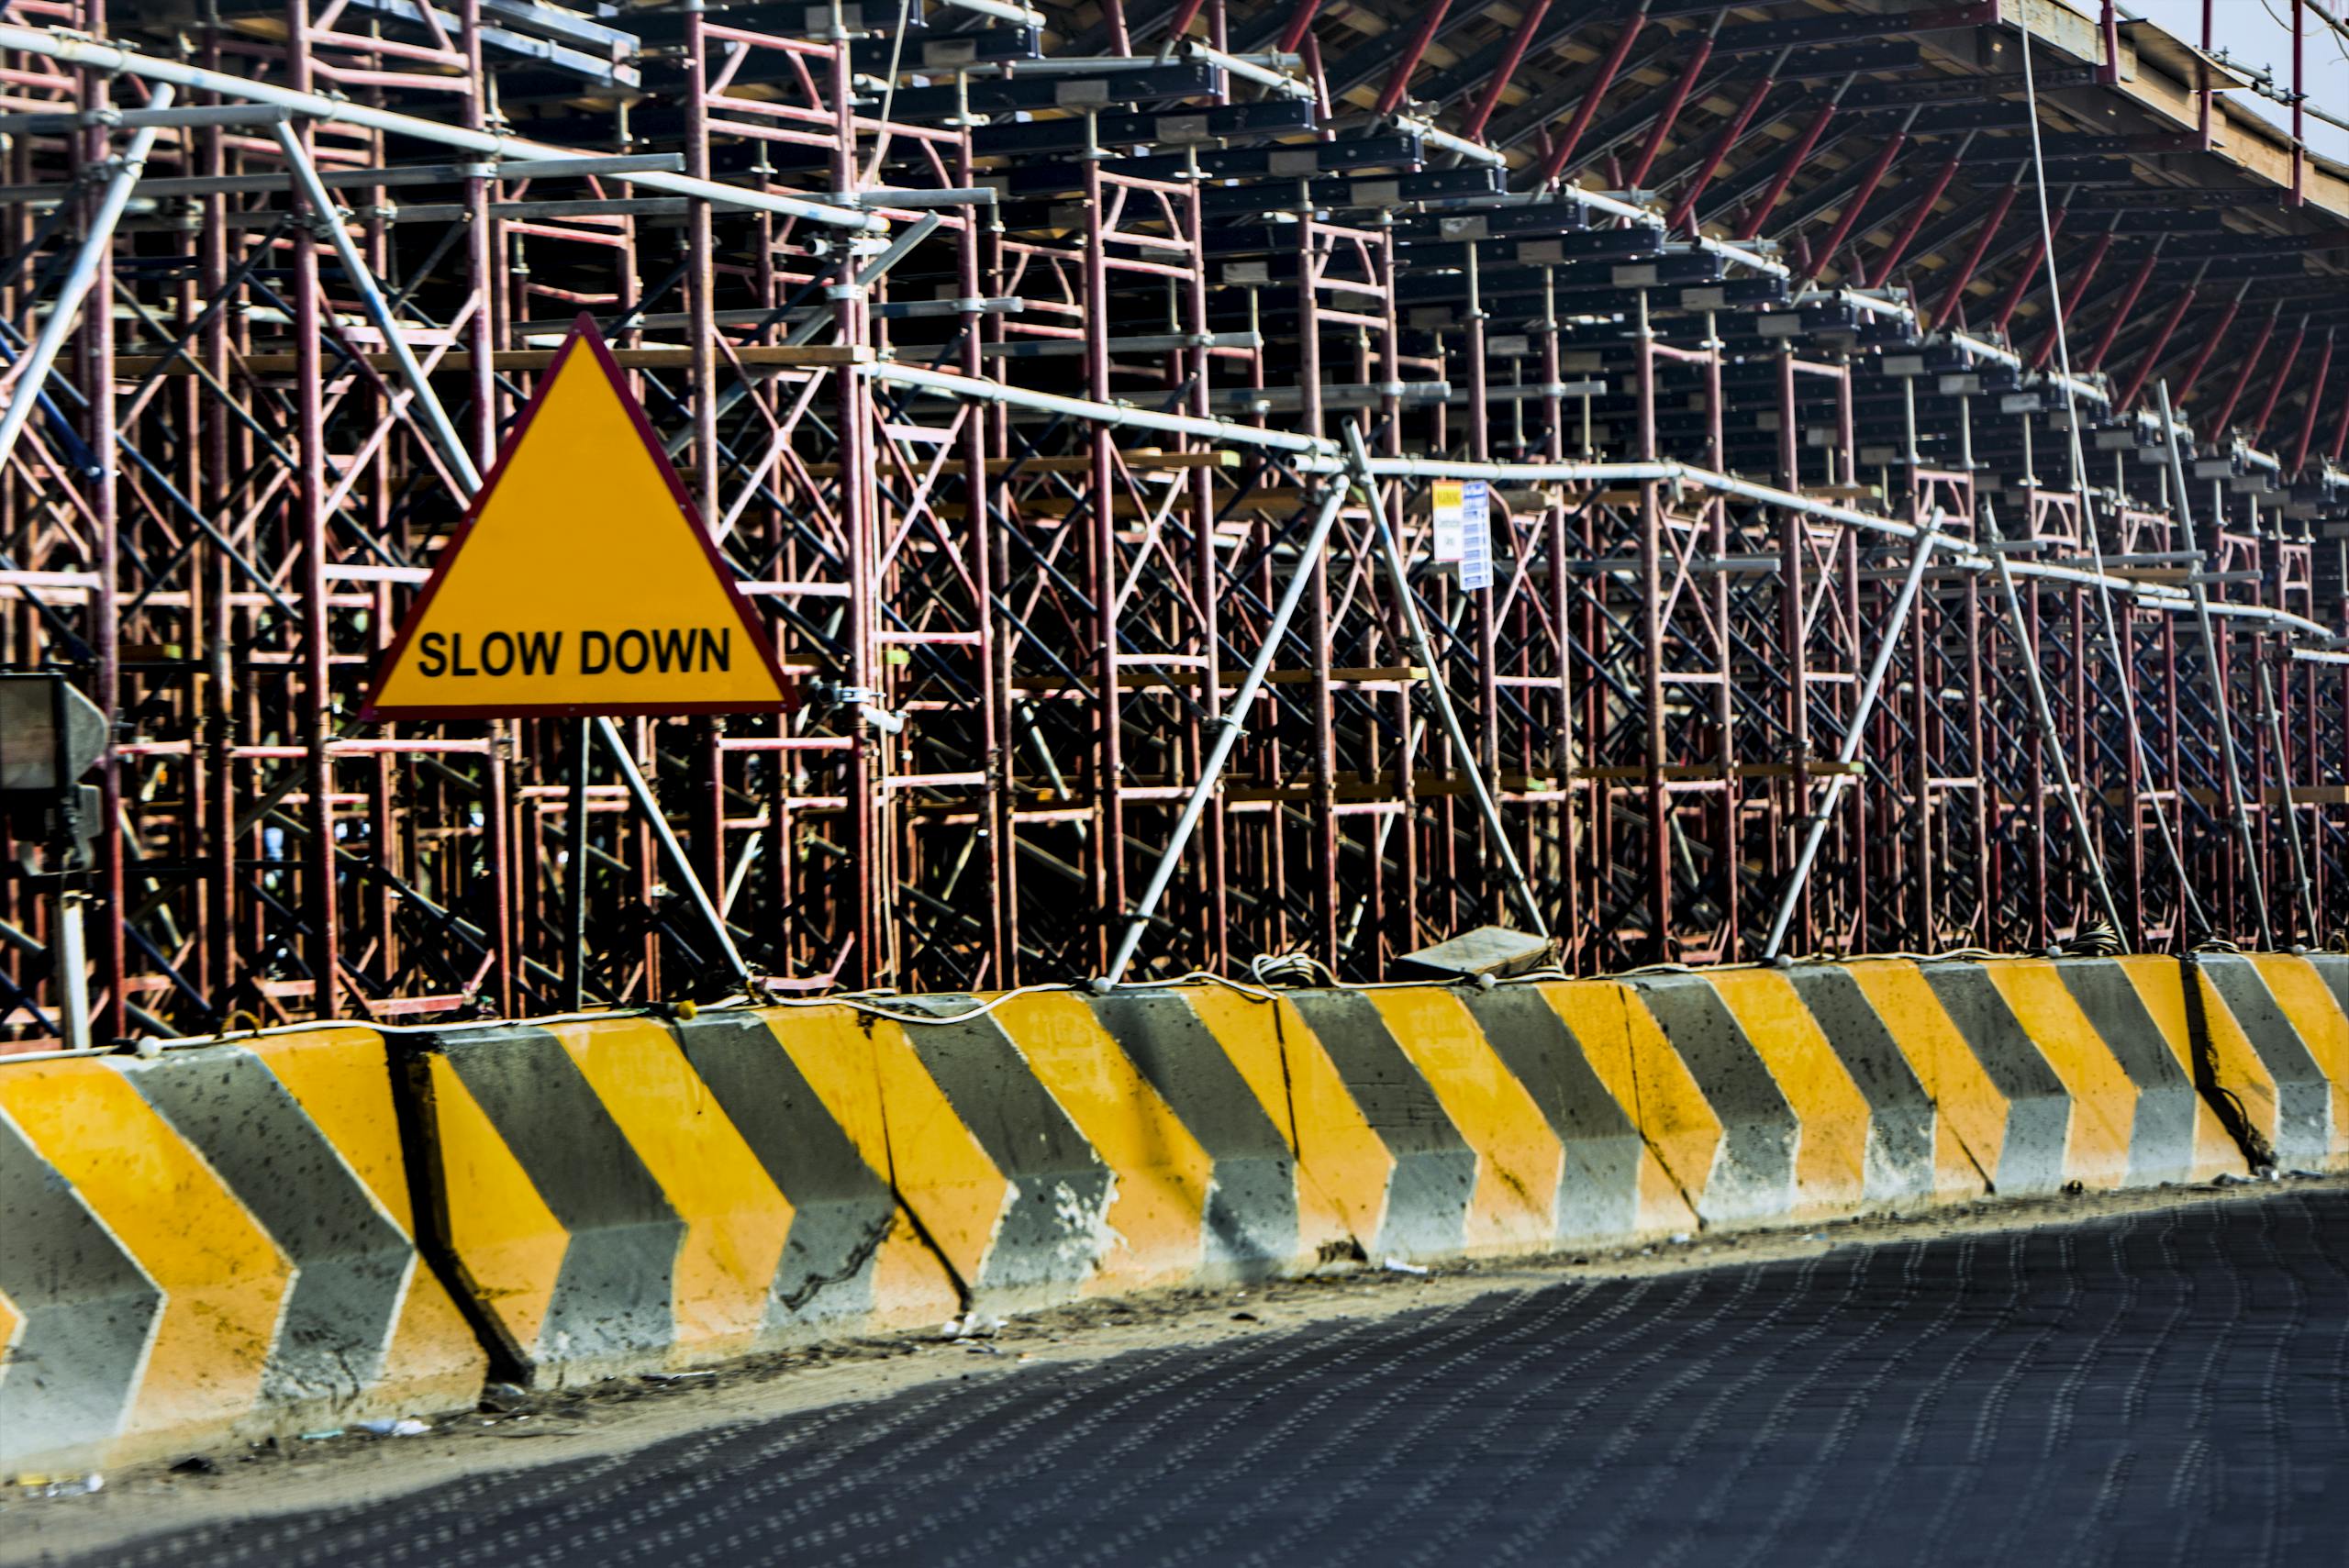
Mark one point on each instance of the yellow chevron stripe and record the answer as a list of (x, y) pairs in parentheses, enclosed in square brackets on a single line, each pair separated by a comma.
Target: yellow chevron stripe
[(2104, 1098), (1969, 1113), (830, 1049), (11, 1322), (942, 1173), (2308, 1007), (2161, 987), (1627, 1049), (507, 1240), (339, 1080), (1255, 1037), (735, 1219), (1519, 1159), (223, 1279), (1336, 1147), (1830, 1160), (1159, 1208)]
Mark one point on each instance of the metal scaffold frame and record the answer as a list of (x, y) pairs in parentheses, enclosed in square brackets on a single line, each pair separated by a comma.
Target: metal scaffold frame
[(1916, 505)]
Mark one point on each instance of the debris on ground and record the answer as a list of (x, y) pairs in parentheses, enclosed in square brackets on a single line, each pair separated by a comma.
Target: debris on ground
[(502, 1399)]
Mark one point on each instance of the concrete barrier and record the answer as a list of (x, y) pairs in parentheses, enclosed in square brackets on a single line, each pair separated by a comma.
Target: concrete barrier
[(2277, 1027), (2138, 1008), (1794, 1123), (619, 1195), (1220, 1060), (1456, 1123), (2044, 1074), (238, 1237), (215, 1243), (1060, 1145)]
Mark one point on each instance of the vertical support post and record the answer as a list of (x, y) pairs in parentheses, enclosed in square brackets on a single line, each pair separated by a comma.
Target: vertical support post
[(706, 815), (1794, 646), (2299, 102), (2283, 758), (1658, 802), (575, 868), (72, 971), (2237, 817), (1101, 561), (873, 960), (323, 954)]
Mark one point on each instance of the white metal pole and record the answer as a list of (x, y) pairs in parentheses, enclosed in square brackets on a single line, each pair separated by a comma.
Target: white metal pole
[(326, 218), (72, 973), (1895, 626), (2045, 718), (646, 802), (33, 371), (1440, 690), (128, 62), (1229, 729)]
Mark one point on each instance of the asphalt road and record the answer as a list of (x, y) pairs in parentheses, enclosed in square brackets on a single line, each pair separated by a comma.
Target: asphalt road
[(2164, 1387)]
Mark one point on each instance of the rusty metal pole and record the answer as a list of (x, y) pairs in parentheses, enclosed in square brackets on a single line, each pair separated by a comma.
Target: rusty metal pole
[(871, 929), (1562, 151), (2238, 816), (1108, 868), (1658, 807), (322, 953), (706, 767), (1794, 651)]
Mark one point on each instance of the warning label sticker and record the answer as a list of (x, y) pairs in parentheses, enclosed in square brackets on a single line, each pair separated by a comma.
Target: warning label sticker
[(581, 581)]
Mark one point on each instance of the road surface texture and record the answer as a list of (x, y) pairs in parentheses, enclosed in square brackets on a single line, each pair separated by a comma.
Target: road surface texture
[(2163, 1386)]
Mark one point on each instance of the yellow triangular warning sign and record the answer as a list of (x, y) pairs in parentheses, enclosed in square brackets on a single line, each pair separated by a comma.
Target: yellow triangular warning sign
[(581, 580)]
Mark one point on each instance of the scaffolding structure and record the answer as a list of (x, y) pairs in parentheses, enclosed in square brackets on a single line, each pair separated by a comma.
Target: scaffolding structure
[(1076, 392)]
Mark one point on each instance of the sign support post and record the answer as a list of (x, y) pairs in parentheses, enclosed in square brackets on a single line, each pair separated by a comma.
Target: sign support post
[(582, 585), (574, 869)]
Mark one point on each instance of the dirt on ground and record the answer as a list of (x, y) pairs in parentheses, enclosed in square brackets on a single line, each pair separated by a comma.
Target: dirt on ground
[(513, 1429)]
